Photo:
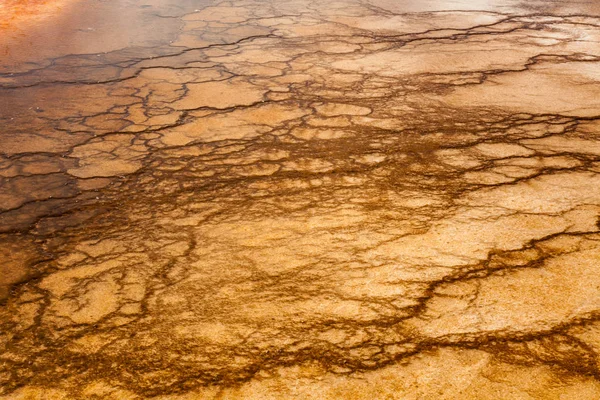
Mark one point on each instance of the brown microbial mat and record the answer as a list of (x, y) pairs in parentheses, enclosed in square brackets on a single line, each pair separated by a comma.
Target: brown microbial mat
[(300, 199)]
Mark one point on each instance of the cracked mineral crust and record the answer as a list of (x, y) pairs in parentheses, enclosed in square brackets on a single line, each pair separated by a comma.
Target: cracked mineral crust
[(260, 199)]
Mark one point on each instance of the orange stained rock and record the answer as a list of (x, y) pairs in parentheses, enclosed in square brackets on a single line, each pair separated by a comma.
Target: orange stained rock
[(318, 200)]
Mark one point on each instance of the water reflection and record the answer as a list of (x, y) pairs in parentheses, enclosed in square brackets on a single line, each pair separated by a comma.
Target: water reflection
[(589, 7), (36, 33)]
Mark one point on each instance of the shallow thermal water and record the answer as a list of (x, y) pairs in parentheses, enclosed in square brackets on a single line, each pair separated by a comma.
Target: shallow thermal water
[(354, 199)]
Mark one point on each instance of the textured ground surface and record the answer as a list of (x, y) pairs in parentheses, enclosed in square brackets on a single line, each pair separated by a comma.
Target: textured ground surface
[(304, 199)]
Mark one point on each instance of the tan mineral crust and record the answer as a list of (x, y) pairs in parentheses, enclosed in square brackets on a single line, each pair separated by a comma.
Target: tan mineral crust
[(300, 199)]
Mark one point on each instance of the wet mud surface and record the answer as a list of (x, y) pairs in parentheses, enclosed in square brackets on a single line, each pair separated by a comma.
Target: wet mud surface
[(301, 199)]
